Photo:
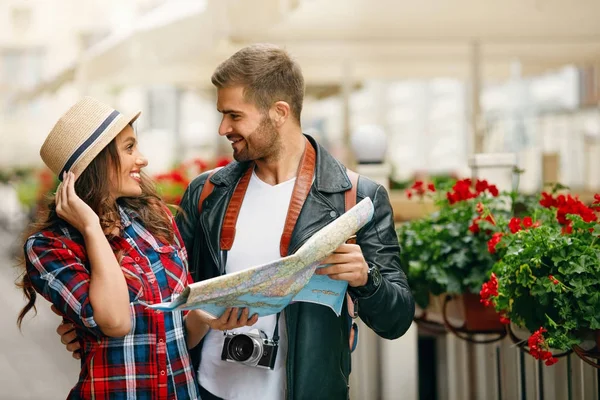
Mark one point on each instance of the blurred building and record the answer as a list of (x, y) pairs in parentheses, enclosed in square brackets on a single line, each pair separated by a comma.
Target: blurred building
[(440, 94)]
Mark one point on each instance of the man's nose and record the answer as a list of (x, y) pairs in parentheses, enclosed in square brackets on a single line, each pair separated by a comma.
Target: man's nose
[(225, 128)]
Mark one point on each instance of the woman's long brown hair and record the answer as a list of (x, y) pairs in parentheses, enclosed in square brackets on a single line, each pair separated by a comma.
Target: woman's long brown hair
[(92, 186)]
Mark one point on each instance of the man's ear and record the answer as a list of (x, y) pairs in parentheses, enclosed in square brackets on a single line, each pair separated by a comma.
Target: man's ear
[(280, 112)]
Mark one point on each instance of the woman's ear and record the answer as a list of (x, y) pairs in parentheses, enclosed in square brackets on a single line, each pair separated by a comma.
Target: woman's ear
[(280, 113)]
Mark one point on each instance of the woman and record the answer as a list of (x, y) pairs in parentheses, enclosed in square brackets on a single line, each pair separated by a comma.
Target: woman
[(100, 257)]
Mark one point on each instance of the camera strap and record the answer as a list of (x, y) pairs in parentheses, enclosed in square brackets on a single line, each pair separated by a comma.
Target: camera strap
[(276, 331)]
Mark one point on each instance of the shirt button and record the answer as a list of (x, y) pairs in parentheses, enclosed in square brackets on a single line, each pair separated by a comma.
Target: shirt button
[(160, 341), (162, 373), (332, 214), (137, 259)]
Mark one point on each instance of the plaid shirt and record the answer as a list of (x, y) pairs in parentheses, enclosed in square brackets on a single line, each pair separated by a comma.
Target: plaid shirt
[(152, 361)]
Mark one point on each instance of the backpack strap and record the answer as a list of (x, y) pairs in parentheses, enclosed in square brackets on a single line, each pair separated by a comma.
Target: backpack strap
[(350, 201), (206, 189), (350, 194)]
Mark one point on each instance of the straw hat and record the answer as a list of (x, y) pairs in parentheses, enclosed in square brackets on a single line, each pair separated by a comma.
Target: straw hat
[(81, 134)]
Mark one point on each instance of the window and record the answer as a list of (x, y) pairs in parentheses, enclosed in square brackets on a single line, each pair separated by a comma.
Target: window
[(20, 18), (20, 70)]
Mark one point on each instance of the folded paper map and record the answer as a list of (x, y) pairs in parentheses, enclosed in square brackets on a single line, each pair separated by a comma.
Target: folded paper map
[(268, 288)]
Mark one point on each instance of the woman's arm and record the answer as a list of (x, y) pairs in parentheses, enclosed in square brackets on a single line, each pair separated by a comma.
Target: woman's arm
[(195, 327), (109, 296)]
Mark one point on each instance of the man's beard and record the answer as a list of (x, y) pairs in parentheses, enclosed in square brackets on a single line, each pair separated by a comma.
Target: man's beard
[(264, 143)]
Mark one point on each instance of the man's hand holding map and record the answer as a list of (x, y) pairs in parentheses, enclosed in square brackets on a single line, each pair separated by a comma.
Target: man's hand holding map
[(268, 288)]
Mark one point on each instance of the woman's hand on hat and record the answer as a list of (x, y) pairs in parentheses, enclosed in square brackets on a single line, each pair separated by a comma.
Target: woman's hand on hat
[(71, 208)]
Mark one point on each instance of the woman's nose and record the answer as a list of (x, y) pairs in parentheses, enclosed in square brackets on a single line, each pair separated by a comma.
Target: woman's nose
[(142, 161)]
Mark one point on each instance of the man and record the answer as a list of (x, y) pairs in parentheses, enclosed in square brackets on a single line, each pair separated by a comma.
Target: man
[(260, 92)]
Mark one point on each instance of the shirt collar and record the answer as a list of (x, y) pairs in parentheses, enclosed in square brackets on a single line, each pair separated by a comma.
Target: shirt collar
[(127, 215)]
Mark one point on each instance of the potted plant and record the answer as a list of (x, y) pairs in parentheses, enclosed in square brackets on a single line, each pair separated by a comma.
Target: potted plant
[(547, 279), (446, 253)]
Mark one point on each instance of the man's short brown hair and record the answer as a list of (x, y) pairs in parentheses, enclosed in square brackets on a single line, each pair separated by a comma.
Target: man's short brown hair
[(267, 73)]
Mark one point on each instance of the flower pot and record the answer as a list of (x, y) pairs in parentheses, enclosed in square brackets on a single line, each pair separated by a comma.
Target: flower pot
[(463, 315), (585, 352), (434, 312), (476, 318)]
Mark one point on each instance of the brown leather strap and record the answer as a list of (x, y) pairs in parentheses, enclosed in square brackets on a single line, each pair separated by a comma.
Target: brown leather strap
[(233, 210), (350, 194), (350, 201), (350, 197), (206, 189), (306, 172)]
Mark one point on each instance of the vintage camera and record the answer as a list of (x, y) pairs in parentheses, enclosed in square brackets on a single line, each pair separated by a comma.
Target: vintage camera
[(252, 348)]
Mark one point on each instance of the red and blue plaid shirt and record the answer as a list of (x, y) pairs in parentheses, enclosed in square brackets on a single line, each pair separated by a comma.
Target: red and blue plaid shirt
[(152, 361)]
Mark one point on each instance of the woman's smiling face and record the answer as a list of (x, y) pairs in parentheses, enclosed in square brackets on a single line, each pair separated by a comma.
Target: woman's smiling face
[(126, 180)]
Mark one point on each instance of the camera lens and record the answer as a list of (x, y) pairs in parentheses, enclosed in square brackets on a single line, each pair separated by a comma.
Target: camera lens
[(241, 348)]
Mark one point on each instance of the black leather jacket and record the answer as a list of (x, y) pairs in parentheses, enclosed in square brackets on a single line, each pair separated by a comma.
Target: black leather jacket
[(318, 359)]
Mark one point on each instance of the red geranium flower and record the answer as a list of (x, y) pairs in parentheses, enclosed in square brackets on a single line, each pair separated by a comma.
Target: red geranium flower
[(493, 190), (547, 200), (538, 347), (493, 242), (514, 225), (489, 289)]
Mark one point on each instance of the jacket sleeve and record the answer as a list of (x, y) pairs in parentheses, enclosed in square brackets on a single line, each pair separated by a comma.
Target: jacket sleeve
[(187, 217), (180, 245), (389, 311)]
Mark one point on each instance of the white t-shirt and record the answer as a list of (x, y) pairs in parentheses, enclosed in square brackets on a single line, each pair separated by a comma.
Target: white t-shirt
[(257, 237)]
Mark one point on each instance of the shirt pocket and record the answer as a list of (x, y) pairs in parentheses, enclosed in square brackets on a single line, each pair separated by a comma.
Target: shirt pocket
[(132, 277), (174, 268)]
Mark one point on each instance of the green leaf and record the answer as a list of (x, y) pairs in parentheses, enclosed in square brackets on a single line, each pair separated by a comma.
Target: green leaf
[(579, 287), (551, 322), (454, 285), (573, 267), (594, 301), (594, 323), (541, 291), (460, 259), (524, 276)]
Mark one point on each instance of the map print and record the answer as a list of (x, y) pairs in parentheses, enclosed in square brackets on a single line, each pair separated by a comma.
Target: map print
[(268, 288)]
